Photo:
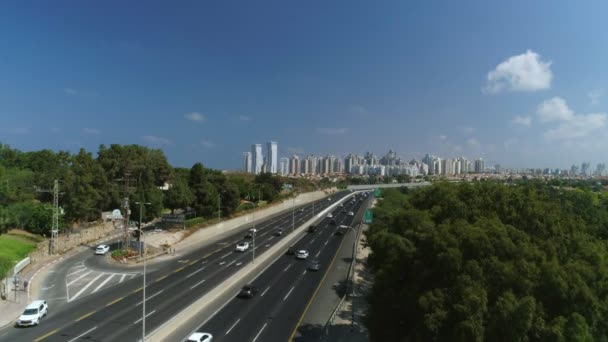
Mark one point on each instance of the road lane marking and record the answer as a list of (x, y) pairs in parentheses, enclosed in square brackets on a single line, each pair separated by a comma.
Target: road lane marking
[(317, 255), (122, 278), (326, 242), (286, 268), (303, 273), (76, 272), (221, 263), (86, 315), (161, 278), (288, 293), (230, 264), (85, 287), (84, 333), (46, 335), (225, 255), (195, 272), (139, 289), (263, 293), (259, 332), (139, 320), (152, 296), (235, 323), (270, 238), (80, 277), (239, 263), (178, 270), (192, 262), (115, 301), (197, 284), (104, 282), (312, 241)]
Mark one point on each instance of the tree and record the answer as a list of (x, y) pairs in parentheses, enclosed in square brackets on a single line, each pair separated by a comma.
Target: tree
[(179, 195)]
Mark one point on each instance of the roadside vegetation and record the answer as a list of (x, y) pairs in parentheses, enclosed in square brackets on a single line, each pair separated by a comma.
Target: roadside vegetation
[(13, 248), (489, 261)]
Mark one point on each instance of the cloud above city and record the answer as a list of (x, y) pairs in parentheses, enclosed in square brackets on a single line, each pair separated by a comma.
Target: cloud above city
[(525, 73), (196, 117), (156, 140), (567, 124)]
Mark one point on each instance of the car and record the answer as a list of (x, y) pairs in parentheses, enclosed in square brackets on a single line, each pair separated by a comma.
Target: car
[(314, 266), (200, 337), (329, 199), (102, 249), (330, 215), (302, 254), (332, 222), (278, 232), (33, 313), (312, 228), (350, 213), (248, 291), (242, 246), (291, 250)]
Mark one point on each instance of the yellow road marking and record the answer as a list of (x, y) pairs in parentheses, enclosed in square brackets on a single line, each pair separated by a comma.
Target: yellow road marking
[(85, 316), (295, 330), (161, 278), (192, 262), (178, 270), (46, 335), (115, 301)]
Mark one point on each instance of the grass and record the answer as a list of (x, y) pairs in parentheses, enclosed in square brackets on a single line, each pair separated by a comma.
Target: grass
[(13, 248)]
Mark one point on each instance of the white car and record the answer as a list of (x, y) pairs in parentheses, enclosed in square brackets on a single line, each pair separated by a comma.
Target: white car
[(329, 199), (242, 246), (350, 213), (302, 254), (200, 337), (33, 313), (102, 249), (330, 215)]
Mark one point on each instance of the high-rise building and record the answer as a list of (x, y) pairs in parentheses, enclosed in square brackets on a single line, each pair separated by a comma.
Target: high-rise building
[(284, 166), (479, 166), (585, 169), (247, 162), (272, 156), (257, 158), (294, 165)]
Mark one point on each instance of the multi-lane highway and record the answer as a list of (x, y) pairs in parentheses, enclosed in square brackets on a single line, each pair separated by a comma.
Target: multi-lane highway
[(114, 314), (284, 289)]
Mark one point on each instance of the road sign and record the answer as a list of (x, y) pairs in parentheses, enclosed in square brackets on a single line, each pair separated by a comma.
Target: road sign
[(368, 216), (377, 193)]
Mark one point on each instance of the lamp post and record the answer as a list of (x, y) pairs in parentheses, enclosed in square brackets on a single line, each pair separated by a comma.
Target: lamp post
[(143, 251), (293, 214), (253, 232)]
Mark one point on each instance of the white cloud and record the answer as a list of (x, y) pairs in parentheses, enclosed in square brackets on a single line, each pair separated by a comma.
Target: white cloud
[(525, 72), (92, 131), (569, 124), (196, 117), (467, 129), (331, 131), (207, 143), (156, 140), (594, 96), (554, 109), (244, 118), (442, 137), (473, 142), (525, 121), (70, 91)]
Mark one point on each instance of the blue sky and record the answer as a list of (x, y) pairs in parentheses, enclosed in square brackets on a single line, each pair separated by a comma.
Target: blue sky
[(521, 83)]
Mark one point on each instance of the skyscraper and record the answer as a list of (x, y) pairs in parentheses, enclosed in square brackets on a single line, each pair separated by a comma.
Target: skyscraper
[(247, 162), (479, 166), (272, 161), (284, 166), (294, 165), (257, 158)]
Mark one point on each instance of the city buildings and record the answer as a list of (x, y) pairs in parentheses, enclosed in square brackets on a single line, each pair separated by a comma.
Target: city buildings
[(247, 162), (272, 157), (257, 157)]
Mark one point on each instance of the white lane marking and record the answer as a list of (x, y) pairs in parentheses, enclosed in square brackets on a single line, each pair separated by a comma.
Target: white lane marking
[(258, 335), (204, 262), (139, 320), (286, 268), (225, 255), (288, 293), (263, 293), (77, 279), (152, 296), (76, 272), (84, 333), (79, 266), (197, 284), (104, 282), (263, 234), (270, 238), (239, 263), (303, 273), (86, 287), (267, 245), (326, 242), (312, 241), (235, 323), (230, 264), (317, 255), (195, 272), (221, 263), (122, 278)]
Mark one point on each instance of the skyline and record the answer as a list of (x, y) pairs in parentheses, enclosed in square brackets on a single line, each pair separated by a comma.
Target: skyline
[(203, 80)]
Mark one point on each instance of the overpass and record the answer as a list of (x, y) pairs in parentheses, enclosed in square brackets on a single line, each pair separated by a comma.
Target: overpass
[(392, 185)]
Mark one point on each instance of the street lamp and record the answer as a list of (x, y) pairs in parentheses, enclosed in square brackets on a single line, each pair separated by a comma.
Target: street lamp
[(293, 214), (253, 231), (143, 252)]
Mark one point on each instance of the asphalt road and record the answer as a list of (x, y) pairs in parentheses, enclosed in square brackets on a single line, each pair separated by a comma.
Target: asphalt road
[(285, 289), (114, 313)]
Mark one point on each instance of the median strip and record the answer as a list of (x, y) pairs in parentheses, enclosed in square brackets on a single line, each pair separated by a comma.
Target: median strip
[(115, 301)]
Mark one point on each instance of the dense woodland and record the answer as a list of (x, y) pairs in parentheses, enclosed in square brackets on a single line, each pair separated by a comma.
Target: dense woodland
[(490, 262), (91, 184)]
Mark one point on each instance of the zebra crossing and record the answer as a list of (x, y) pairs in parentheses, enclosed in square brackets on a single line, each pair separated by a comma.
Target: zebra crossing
[(82, 281)]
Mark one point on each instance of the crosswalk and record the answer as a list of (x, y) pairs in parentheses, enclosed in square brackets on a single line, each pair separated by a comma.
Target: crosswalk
[(82, 281)]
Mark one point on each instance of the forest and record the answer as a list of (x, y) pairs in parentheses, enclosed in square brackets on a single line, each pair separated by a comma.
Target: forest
[(92, 184), (488, 261)]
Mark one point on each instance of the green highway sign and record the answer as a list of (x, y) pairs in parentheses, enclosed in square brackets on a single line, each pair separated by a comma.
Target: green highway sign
[(377, 193), (368, 216)]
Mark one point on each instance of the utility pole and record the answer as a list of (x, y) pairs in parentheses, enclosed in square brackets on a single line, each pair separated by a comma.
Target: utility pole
[(125, 206), (219, 207), (143, 237), (293, 214), (55, 221)]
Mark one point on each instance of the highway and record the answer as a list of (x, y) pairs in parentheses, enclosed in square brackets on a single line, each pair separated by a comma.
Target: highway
[(114, 314), (285, 288)]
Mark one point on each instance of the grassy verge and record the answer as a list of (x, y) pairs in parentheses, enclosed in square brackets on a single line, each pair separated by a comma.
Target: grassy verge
[(13, 248)]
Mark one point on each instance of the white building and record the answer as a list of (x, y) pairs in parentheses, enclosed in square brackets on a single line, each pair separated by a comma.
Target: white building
[(247, 162), (273, 150), (284, 166), (257, 158), (294, 165)]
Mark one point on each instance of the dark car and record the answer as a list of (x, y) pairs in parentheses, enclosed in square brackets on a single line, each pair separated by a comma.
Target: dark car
[(278, 232), (248, 291), (312, 228), (314, 266), (332, 222), (291, 250)]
